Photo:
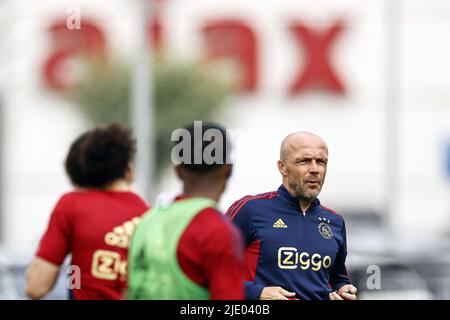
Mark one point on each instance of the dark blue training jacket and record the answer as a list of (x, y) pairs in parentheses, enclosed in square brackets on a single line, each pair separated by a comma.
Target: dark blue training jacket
[(302, 253)]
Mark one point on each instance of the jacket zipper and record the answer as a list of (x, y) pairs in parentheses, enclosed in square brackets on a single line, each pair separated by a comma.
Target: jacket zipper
[(304, 224)]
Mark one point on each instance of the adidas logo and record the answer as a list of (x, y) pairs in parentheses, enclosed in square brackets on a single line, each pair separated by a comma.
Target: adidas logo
[(120, 236), (279, 224)]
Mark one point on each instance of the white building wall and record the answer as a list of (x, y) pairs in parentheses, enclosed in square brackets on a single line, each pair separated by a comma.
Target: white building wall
[(40, 125)]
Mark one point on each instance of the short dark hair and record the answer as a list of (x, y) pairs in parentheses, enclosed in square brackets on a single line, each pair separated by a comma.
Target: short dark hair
[(203, 167), (100, 156), (73, 163)]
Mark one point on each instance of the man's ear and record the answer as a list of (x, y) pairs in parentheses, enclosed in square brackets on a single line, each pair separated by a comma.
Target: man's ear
[(228, 171), (129, 173), (282, 168), (178, 172)]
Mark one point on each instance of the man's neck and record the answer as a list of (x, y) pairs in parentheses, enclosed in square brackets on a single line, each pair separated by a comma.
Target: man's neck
[(118, 185), (210, 193), (304, 204)]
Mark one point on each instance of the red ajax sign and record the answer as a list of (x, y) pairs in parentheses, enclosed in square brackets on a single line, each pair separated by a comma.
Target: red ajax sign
[(231, 39)]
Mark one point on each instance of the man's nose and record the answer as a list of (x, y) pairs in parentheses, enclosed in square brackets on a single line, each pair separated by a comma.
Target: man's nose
[(313, 168)]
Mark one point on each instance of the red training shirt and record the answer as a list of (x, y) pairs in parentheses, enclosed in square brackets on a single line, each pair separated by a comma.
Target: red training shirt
[(96, 227), (210, 252)]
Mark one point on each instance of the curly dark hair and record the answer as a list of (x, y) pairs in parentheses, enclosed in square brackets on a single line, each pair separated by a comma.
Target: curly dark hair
[(100, 156)]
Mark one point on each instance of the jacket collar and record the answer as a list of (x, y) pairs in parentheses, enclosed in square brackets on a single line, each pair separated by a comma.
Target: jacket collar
[(295, 201)]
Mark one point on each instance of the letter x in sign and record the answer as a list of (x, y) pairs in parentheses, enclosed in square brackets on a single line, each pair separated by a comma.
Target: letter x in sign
[(318, 71)]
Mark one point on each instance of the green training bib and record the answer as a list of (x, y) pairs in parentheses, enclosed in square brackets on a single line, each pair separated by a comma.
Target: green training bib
[(153, 269)]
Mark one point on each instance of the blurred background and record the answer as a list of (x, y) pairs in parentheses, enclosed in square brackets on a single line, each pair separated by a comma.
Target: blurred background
[(372, 77)]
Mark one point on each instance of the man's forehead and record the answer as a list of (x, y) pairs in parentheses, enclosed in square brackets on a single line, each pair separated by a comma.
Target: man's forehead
[(307, 147), (310, 152), (303, 142)]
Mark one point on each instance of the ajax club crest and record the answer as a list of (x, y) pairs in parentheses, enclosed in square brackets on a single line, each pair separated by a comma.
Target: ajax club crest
[(324, 228)]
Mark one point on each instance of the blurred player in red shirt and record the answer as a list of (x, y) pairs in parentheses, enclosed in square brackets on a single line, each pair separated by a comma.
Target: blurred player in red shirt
[(95, 221), (187, 249)]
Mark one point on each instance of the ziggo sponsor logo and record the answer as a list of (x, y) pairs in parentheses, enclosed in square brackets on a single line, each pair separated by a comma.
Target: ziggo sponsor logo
[(290, 258)]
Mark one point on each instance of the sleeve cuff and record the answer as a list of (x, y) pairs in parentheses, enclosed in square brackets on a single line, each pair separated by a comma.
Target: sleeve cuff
[(337, 286), (253, 290), (49, 258)]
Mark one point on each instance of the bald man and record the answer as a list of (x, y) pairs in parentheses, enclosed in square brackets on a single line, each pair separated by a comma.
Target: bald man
[(295, 247)]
